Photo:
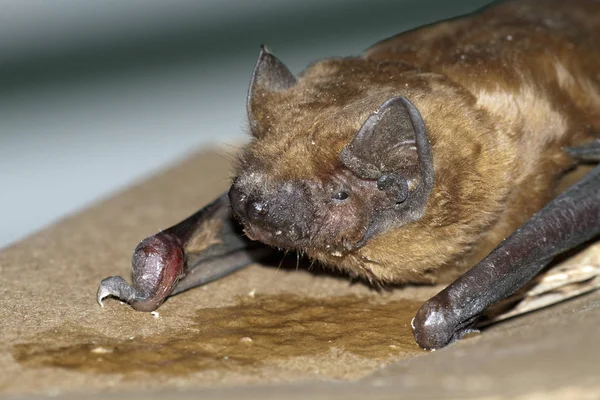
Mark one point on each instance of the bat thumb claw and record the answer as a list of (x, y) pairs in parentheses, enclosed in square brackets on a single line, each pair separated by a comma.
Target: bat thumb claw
[(114, 286)]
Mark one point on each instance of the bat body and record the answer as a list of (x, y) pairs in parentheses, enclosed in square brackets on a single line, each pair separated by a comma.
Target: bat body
[(411, 163)]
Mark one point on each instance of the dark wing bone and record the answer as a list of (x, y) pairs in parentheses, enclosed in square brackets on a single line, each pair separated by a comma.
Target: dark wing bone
[(204, 247), (569, 220)]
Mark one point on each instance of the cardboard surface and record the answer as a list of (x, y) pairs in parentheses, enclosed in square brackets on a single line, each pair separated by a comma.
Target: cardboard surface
[(47, 308)]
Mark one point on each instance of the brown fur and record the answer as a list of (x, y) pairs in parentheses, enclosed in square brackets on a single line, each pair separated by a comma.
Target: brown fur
[(501, 92)]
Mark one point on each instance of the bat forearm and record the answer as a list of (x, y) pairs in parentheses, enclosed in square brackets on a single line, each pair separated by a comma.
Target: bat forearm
[(203, 247), (572, 218)]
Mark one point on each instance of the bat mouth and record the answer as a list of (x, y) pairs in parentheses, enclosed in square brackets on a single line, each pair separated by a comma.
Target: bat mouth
[(282, 239), (287, 237)]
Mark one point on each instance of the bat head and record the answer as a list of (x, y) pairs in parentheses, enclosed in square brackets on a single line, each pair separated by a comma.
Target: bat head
[(329, 165)]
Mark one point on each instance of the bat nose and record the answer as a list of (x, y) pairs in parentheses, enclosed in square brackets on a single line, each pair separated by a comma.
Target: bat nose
[(247, 207), (257, 210), (278, 214)]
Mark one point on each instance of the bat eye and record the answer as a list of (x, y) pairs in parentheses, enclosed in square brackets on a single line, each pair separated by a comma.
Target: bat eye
[(341, 195)]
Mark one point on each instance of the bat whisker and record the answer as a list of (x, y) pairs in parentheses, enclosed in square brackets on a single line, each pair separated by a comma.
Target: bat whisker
[(285, 253)]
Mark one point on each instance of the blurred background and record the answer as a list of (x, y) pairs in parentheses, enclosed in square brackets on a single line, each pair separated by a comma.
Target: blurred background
[(95, 95)]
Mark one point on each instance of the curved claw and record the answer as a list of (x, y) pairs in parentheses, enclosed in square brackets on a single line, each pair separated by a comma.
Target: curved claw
[(114, 286), (158, 263)]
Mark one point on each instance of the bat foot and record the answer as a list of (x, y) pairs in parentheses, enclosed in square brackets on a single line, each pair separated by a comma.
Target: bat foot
[(436, 326), (115, 286)]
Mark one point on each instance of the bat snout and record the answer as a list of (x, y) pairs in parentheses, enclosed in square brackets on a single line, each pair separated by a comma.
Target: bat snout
[(247, 208), (257, 210), (238, 200), (279, 217)]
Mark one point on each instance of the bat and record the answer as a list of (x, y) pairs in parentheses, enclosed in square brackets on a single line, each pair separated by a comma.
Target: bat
[(435, 155)]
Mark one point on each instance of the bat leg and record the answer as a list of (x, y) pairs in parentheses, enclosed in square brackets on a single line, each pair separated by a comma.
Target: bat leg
[(206, 246), (570, 219)]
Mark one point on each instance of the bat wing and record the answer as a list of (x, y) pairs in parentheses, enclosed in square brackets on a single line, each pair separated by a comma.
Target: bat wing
[(558, 284), (206, 246), (569, 220)]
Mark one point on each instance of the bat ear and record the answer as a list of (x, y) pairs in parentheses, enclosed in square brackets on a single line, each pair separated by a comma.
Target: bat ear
[(391, 141), (392, 148), (270, 75)]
